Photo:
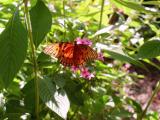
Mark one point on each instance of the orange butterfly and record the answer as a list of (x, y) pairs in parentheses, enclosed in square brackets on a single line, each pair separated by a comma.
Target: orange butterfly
[(71, 54)]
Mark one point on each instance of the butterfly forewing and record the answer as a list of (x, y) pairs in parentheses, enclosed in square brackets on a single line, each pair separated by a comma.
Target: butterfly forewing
[(52, 50), (71, 54)]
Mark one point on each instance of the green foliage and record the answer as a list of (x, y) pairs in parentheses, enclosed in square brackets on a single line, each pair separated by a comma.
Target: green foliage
[(129, 41)]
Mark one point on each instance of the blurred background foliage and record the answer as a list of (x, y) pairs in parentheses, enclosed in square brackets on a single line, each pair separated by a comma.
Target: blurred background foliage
[(127, 32)]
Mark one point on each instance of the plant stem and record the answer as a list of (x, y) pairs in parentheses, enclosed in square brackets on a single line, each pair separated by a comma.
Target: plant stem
[(149, 102), (33, 57), (101, 15), (64, 16)]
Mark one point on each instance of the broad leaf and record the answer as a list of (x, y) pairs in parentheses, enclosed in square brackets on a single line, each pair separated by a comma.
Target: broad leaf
[(149, 49), (57, 101), (41, 21), (13, 49)]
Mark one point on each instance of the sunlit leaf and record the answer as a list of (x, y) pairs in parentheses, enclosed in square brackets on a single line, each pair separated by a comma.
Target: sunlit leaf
[(7, 1), (57, 101), (33, 3)]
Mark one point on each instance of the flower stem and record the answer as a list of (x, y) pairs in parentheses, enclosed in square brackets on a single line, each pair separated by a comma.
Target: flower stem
[(150, 101), (33, 57), (101, 15)]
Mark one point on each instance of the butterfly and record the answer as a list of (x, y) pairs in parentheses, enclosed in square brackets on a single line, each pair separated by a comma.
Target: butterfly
[(71, 54)]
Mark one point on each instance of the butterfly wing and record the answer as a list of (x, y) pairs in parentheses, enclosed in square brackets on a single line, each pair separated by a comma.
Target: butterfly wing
[(71, 54), (66, 57), (84, 53), (63, 51)]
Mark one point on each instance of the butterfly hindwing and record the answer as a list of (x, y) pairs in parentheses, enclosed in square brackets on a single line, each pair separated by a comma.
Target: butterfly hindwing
[(66, 57), (86, 52)]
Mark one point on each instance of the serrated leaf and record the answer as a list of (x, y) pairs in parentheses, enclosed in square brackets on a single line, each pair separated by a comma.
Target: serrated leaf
[(57, 101), (150, 49), (13, 49), (41, 21)]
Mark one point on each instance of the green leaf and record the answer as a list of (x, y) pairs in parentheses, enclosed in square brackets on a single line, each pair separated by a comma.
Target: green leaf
[(74, 92), (29, 95), (137, 107), (128, 6), (150, 49), (151, 3), (33, 2), (57, 101), (117, 53), (120, 112), (41, 21), (14, 110), (125, 58), (7, 1), (60, 80), (13, 49)]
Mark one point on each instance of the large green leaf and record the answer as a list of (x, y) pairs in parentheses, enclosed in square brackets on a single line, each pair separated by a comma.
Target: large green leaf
[(149, 49), (57, 101), (117, 53), (41, 21), (13, 49), (125, 58)]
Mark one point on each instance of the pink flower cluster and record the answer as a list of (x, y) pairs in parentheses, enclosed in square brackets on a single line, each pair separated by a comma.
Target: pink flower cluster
[(83, 41), (84, 72)]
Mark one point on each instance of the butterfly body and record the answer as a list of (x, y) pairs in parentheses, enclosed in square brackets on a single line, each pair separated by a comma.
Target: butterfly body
[(71, 54)]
